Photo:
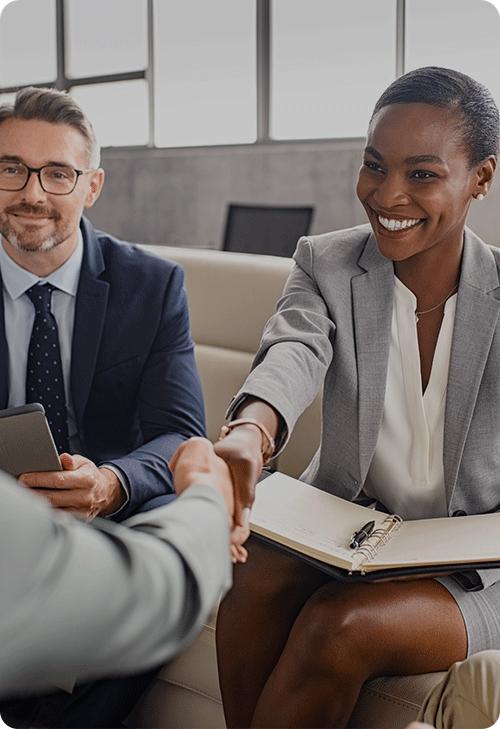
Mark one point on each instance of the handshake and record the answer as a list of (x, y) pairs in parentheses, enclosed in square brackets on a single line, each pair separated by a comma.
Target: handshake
[(195, 463)]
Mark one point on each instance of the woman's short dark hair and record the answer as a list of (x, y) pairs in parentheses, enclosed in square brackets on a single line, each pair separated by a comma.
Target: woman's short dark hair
[(480, 120), (56, 107)]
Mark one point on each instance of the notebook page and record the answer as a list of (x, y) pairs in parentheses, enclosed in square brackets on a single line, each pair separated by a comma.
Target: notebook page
[(309, 520), (442, 541)]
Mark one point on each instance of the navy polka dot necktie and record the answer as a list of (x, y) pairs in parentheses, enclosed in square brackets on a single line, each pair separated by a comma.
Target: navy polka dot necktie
[(44, 379)]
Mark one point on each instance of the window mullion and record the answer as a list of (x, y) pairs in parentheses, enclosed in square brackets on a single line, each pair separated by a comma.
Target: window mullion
[(400, 37), (150, 74), (61, 80), (263, 69)]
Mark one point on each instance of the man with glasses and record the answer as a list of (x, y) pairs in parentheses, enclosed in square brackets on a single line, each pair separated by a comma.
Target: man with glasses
[(94, 329)]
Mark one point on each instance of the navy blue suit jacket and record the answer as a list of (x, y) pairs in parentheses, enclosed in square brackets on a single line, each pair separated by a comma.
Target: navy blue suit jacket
[(135, 385)]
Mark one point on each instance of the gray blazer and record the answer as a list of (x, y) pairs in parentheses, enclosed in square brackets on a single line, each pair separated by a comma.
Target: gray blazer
[(332, 327), (100, 599)]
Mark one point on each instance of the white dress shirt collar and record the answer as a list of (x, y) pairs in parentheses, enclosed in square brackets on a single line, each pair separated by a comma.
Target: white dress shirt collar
[(17, 280)]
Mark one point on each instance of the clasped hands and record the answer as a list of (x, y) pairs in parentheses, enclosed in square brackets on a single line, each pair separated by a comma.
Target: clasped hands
[(228, 468)]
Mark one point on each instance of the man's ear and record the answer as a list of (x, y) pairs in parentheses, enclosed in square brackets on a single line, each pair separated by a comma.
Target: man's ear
[(485, 175), (95, 187)]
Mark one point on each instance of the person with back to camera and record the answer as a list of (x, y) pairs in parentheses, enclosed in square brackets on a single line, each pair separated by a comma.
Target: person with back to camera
[(399, 320)]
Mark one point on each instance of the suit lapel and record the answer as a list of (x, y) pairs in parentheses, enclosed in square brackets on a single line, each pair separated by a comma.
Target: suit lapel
[(476, 320), (373, 293), (90, 314)]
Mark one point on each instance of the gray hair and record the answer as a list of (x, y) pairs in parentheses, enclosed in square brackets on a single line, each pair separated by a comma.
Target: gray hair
[(56, 107)]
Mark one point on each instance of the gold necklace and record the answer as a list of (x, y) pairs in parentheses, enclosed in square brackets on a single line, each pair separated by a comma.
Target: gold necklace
[(418, 313)]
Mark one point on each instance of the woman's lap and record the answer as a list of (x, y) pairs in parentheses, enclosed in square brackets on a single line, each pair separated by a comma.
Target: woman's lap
[(289, 621), (396, 602), (327, 645)]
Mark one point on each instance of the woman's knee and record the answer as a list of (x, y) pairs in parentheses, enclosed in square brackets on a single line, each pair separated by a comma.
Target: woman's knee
[(330, 637), (369, 630)]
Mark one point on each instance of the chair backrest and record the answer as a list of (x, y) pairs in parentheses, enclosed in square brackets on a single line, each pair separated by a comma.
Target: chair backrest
[(267, 230), (231, 296)]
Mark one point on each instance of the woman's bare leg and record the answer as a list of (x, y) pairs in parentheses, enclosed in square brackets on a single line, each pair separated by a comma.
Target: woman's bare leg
[(254, 623), (348, 633)]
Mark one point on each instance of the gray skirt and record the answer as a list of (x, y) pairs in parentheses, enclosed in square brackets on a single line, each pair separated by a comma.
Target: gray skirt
[(481, 614)]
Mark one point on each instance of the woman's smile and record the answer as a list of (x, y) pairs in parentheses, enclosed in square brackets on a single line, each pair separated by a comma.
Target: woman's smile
[(394, 224)]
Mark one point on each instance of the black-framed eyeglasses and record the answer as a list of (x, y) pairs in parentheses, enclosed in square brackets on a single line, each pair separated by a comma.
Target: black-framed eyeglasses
[(54, 179)]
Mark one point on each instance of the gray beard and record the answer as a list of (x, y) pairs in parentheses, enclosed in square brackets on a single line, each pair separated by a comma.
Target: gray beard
[(9, 233), (20, 246)]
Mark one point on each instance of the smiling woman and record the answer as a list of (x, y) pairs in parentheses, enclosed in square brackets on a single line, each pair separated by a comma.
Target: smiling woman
[(400, 322)]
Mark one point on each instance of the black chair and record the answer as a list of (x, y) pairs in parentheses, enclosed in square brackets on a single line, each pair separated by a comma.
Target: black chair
[(269, 230)]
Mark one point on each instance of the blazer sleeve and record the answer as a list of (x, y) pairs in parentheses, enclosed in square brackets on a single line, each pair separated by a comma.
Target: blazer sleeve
[(169, 404), (296, 347), (104, 599)]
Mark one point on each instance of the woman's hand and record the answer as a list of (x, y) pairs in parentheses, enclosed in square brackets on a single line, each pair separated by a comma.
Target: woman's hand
[(241, 449)]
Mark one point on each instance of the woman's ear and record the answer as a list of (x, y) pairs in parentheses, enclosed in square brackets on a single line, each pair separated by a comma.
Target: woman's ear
[(485, 175)]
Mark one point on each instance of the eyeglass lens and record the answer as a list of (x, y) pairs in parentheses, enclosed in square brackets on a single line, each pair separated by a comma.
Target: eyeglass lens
[(56, 180)]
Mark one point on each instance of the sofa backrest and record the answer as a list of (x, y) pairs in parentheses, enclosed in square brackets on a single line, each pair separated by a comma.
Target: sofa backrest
[(231, 296)]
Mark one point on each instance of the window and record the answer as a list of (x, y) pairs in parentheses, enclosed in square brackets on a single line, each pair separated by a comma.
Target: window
[(105, 37), (118, 111), (166, 73), (330, 63), (28, 50), (205, 72), (459, 34)]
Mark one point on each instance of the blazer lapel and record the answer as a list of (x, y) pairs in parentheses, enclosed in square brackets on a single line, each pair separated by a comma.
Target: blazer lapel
[(373, 294), (90, 314), (476, 319)]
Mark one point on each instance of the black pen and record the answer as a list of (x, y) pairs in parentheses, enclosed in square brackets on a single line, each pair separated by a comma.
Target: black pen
[(359, 537)]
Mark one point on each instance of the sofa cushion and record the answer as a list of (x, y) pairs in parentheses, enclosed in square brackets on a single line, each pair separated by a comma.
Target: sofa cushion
[(222, 373), (186, 694), (231, 295)]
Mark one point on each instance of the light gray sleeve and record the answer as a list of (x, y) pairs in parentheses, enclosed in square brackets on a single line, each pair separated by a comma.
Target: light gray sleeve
[(101, 599), (296, 347)]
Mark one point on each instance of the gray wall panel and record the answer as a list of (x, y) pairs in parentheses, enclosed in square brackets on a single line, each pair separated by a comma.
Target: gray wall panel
[(179, 197)]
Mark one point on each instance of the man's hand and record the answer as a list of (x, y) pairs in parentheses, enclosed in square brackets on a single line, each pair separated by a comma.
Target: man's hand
[(195, 464), (81, 488)]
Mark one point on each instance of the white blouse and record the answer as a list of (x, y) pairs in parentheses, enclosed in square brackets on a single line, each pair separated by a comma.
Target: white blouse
[(407, 472)]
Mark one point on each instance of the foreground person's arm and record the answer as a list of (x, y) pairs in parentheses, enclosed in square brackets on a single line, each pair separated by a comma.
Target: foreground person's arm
[(107, 599)]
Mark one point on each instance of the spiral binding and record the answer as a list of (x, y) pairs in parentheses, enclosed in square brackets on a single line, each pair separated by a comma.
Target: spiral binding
[(380, 536)]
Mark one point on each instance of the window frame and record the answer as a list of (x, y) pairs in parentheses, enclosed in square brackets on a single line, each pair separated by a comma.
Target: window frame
[(263, 81)]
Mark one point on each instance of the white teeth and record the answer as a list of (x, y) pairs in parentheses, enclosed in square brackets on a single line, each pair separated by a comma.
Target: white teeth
[(397, 224)]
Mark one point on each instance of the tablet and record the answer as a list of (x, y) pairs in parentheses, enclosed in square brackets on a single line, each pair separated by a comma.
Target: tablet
[(26, 443)]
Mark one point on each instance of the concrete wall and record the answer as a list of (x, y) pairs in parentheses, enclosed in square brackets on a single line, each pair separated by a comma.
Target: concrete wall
[(179, 197)]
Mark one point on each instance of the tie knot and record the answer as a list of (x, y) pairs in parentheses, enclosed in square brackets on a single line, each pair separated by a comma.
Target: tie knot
[(40, 296)]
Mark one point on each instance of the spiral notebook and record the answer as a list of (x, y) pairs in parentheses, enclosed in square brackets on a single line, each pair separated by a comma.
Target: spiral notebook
[(317, 526)]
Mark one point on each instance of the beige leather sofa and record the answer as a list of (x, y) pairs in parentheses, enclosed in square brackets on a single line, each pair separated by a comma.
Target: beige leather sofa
[(231, 296)]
